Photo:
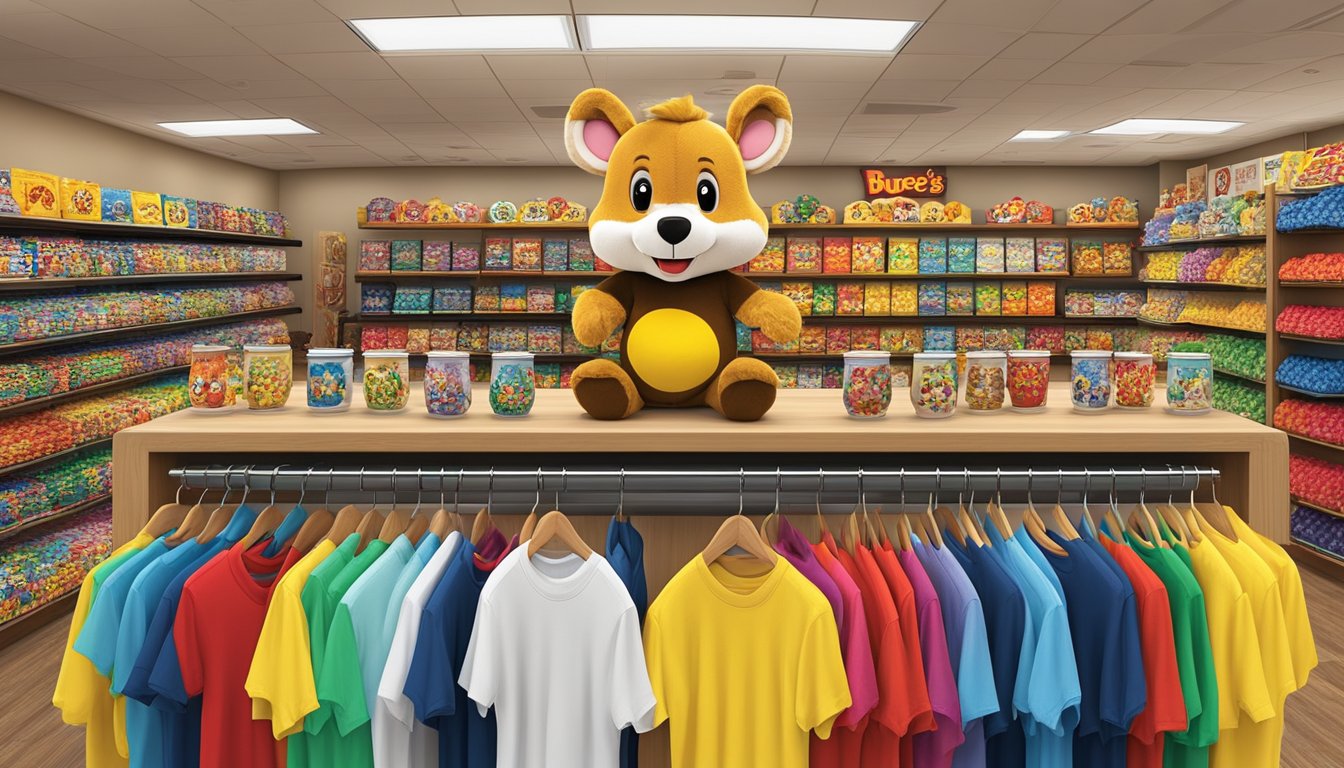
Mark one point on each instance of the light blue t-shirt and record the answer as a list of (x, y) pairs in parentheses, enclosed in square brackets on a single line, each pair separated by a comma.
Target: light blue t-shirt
[(429, 544), (97, 639), (967, 647), (1047, 694)]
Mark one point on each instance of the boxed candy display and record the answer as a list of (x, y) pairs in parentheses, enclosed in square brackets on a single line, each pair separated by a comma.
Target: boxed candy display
[(837, 339), (375, 256), (961, 255), (1014, 297), (83, 201), (800, 292), (540, 298), (939, 338), (960, 298), (1117, 258), (498, 254), (849, 298), (803, 255), (406, 255), (555, 255), (436, 256), (868, 255), (1315, 321), (512, 297), (7, 202), (970, 339), (933, 255), (865, 337), (877, 299), (804, 209), (989, 254), (988, 298), (1052, 254), (1088, 258), (771, 257), (1019, 254), (412, 299), (1313, 267), (375, 299), (904, 298), (526, 254), (486, 298), (836, 255), (452, 298), (37, 193), (932, 298), (1040, 297), (580, 255), (902, 256)]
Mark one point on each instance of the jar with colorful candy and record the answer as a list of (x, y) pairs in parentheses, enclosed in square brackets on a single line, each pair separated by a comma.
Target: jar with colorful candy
[(387, 380), (1091, 381), (268, 376), (986, 381), (513, 389), (1189, 382), (330, 371), (208, 386), (447, 384), (867, 384), (933, 384), (1028, 379), (1134, 376)]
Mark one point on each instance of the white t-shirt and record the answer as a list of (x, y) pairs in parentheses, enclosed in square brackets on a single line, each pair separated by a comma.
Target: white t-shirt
[(398, 740), (556, 650)]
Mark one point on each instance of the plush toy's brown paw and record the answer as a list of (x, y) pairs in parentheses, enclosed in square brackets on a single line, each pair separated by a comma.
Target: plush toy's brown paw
[(744, 391), (605, 390)]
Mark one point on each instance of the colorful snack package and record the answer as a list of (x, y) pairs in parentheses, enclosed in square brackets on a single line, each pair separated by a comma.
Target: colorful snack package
[(406, 255), (970, 338), (961, 255), (1079, 303), (1040, 297), (1050, 337), (436, 256), (1014, 300), (940, 338), (823, 298), (849, 298), (555, 255), (375, 299), (375, 256), (804, 255), (743, 337), (932, 298), (836, 255), (512, 297), (837, 339), (1117, 259), (1052, 254), (580, 255), (486, 299), (812, 341), (466, 257), (877, 299), (526, 254), (498, 254), (540, 298), (1019, 254), (868, 256), (452, 298), (903, 255), (905, 298), (545, 339), (443, 337), (989, 254), (1087, 257), (866, 338), (960, 298), (932, 255), (771, 257), (988, 299), (800, 292)]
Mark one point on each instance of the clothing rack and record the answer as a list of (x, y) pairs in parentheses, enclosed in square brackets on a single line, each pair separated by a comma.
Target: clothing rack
[(595, 490)]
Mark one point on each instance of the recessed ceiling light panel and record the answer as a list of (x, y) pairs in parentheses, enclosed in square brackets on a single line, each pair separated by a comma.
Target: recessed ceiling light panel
[(278, 126), (1145, 126), (1035, 135), (743, 33), (467, 33)]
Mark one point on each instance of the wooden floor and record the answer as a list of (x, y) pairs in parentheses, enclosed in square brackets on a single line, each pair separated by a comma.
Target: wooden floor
[(33, 736)]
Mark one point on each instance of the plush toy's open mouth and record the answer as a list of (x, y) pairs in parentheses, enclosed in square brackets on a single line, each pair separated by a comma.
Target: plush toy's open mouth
[(673, 266)]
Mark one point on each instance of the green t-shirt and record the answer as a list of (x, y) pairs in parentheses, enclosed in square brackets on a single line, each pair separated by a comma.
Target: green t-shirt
[(1190, 749), (302, 748)]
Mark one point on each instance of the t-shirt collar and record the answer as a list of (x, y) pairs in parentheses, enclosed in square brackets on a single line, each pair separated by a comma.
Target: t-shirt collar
[(557, 587), (246, 562), (761, 586)]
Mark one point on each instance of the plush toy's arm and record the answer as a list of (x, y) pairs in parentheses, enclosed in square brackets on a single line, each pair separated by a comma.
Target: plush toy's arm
[(776, 315), (598, 312)]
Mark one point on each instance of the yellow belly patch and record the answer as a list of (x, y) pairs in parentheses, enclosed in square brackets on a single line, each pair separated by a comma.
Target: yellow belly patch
[(672, 350)]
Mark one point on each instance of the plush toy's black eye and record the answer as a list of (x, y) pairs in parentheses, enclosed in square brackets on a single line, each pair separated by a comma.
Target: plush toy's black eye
[(641, 191), (707, 191)]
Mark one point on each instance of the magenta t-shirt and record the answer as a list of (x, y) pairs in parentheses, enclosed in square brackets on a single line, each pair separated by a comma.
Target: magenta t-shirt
[(855, 649), (934, 748), (795, 548)]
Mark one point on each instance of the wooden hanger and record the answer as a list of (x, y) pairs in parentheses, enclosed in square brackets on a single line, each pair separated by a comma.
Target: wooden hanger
[(994, 510), (1031, 520), (444, 522), (371, 524), (737, 531), (318, 524), (347, 518), (219, 519), (267, 520), (483, 522), (530, 522), (555, 526), (1141, 519), (1062, 521), (198, 516), (769, 527), (168, 517), (927, 525), (1212, 515)]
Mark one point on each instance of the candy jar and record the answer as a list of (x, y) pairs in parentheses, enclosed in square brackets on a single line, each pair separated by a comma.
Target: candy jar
[(867, 384), (1189, 382), (208, 387), (513, 389), (447, 384), (933, 384), (387, 380), (1090, 389), (268, 376), (1134, 375), (1028, 379), (986, 378), (329, 374)]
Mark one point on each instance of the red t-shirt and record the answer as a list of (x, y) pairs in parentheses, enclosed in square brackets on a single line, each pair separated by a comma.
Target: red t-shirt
[(216, 628), (844, 748), (1165, 710), (903, 593)]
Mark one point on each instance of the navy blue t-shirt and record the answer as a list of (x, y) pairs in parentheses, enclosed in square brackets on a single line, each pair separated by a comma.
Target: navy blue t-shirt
[(466, 740), (1005, 622), (1104, 622), (625, 553)]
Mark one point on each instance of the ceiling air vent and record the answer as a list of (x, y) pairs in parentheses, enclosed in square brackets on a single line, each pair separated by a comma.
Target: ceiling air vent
[(739, 74), (895, 108), (551, 112)]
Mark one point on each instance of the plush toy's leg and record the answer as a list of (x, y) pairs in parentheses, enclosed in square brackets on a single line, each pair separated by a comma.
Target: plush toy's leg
[(605, 390), (744, 391)]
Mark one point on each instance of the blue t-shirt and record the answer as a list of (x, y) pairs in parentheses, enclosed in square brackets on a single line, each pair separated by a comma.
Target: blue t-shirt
[(1103, 621), (97, 640), (1005, 623), (466, 739), (625, 553)]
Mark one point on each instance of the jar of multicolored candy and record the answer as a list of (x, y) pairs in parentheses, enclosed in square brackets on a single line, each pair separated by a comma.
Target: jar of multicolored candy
[(513, 388), (330, 371), (1090, 389), (1134, 376), (208, 387), (268, 376), (986, 381), (387, 380), (1189, 382), (1028, 379), (866, 388), (933, 384), (448, 384)]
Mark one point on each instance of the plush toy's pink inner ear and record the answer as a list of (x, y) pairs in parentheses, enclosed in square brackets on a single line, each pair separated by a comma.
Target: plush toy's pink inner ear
[(756, 138), (600, 137)]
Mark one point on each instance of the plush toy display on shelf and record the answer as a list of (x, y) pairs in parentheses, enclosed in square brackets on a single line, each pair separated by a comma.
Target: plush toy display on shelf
[(1019, 211), (1185, 226), (1232, 215), (1320, 167), (886, 210), (384, 210), (1320, 211), (804, 209), (1099, 210)]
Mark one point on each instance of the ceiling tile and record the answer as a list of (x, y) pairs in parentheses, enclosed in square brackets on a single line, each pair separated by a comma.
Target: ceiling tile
[(259, 66), (919, 66), (1148, 16), (251, 89), (1020, 15), (366, 9), (1074, 73), (693, 7), (60, 34), (1263, 17), (195, 40), (986, 88), (482, 7), (131, 14), (147, 66), (833, 90), (968, 39), (59, 92), (14, 7), (440, 67), (1012, 69), (339, 66), (135, 90), (308, 37), (831, 69), (479, 110), (563, 66), (907, 10), (556, 91), (474, 88), (368, 89), (46, 70), (922, 91), (396, 110), (243, 12), (607, 67), (1089, 16), (1044, 45)]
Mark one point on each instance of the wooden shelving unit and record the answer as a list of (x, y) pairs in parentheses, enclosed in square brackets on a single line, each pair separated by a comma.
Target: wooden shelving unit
[(1202, 242), (34, 284), (41, 461), (38, 403), (34, 225), (57, 514), (31, 345)]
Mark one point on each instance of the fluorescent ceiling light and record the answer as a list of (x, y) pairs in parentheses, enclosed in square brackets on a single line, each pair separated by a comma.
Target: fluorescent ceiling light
[(785, 33), (278, 126), (1031, 135), (467, 33), (1143, 126)]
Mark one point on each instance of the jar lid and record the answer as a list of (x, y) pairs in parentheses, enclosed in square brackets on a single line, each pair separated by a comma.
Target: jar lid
[(331, 352), (1133, 355), (266, 347), (209, 348), (444, 353), (1187, 355), (1091, 353), (1028, 353), (386, 353), (867, 354), (983, 354), (512, 355)]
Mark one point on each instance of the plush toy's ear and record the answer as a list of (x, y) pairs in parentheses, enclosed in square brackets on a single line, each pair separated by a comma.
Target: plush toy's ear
[(595, 121), (761, 123)]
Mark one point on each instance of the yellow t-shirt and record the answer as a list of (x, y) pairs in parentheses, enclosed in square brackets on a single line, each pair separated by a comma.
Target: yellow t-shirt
[(744, 667), (283, 656), (1257, 743), (82, 694)]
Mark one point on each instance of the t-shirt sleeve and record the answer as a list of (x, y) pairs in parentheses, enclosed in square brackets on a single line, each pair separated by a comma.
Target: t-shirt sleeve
[(895, 705), (280, 680), (393, 681), (76, 683), (975, 671), (429, 683), (97, 640), (1166, 705), (822, 689), (1126, 692), (166, 679), (1275, 648), (482, 668), (185, 639), (632, 702), (860, 671), (137, 681), (130, 637), (653, 660), (1055, 693), (1248, 689), (339, 685)]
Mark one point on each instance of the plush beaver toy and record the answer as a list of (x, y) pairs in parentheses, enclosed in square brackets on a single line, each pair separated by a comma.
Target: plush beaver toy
[(674, 217)]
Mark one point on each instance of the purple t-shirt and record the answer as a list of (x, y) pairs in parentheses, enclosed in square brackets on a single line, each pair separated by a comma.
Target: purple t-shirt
[(795, 548), (934, 748), (855, 648)]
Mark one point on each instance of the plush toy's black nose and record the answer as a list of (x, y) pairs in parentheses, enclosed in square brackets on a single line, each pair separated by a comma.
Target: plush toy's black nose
[(674, 229)]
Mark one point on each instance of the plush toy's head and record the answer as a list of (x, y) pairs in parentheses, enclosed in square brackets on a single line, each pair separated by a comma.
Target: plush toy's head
[(675, 203)]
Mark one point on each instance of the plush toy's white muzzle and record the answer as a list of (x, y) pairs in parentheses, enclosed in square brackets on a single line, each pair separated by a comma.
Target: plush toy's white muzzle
[(676, 242)]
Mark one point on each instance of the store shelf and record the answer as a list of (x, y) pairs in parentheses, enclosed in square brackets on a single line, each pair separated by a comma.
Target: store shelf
[(1308, 393), (36, 403), (460, 316), (362, 221), (1315, 231), (1242, 377), (971, 319), (105, 442), (29, 284), (540, 357), (1313, 441), (41, 226), (1336, 284), (1202, 326), (136, 330), (1201, 242), (30, 621), (1314, 557), (383, 277), (1204, 285), (53, 516), (941, 227), (1309, 505), (1311, 339)]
